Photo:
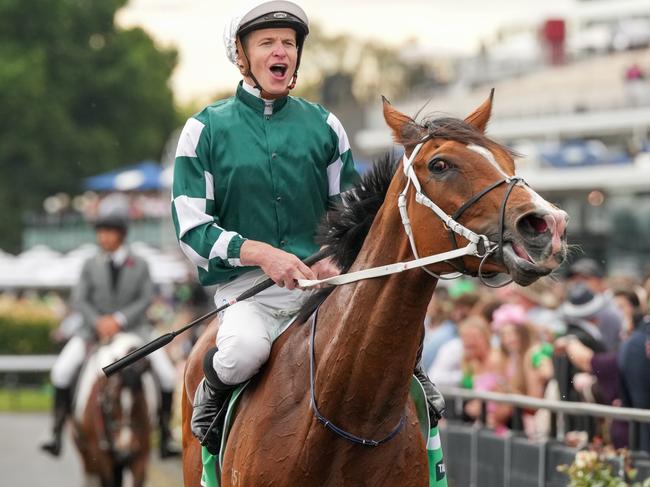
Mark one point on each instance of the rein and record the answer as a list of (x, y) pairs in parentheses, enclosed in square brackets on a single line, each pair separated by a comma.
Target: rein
[(326, 422)]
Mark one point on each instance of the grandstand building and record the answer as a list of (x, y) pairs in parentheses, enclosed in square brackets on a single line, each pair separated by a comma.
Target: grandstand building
[(580, 119)]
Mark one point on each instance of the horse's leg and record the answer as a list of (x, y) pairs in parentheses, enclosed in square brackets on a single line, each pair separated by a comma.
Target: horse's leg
[(139, 471), (192, 464), (118, 472)]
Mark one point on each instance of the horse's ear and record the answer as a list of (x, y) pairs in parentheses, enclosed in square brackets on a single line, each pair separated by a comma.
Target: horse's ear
[(404, 128), (481, 116)]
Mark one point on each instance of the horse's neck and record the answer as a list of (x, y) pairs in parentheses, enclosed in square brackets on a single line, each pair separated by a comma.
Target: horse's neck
[(370, 332)]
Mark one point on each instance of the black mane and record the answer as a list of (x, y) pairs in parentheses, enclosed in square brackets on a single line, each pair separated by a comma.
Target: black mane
[(345, 227)]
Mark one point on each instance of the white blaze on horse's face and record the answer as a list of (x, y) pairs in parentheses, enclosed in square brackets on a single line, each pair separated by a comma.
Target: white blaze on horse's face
[(125, 436), (487, 154)]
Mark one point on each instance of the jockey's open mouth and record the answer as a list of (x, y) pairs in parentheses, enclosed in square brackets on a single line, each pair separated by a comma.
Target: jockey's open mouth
[(279, 70)]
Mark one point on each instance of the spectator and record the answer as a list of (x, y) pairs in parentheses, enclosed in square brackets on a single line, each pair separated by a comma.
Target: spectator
[(636, 84), (438, 327), (445, 368), (540, 303), (528, 364), (634, 364), (631, 301), (582, 314), (589, 273), (483, 370)]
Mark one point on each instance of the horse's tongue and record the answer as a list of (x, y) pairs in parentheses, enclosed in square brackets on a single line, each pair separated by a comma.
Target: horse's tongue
[(521, 252)]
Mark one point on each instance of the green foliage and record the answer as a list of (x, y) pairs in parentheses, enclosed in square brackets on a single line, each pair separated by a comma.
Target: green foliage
[(78, 96), (26, 329)]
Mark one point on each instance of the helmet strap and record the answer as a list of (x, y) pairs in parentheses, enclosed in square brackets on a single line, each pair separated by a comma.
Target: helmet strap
[(294, 79)]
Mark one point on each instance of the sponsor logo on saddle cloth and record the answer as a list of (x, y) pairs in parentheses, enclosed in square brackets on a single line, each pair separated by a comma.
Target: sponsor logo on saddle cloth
[(104, 355), (437, 472)]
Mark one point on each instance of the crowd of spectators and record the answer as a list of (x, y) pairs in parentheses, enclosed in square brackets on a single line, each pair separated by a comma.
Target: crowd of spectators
[(585, 337)]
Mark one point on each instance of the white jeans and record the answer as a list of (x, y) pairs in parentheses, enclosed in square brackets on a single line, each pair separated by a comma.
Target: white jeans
[(248, 328), (73, 355)]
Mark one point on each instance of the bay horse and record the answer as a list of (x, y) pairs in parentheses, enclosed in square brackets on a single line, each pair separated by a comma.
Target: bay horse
[(114, 415), (369, 331)]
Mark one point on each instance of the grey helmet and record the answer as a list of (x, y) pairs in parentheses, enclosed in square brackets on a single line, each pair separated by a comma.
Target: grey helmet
[(113, 212)]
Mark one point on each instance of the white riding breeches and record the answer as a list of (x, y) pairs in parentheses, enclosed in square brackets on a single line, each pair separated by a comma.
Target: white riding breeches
[(73, 355), (248, 328)]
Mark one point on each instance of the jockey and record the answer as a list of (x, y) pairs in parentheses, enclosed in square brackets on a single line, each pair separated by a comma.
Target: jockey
[(253, 176), (112, 295)]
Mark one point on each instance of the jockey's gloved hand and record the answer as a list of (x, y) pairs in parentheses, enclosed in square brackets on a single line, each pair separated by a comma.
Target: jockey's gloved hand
[(436, 403), (435, 400)]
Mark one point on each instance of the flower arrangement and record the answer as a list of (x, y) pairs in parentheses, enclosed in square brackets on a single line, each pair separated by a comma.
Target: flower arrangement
[(593, 469)]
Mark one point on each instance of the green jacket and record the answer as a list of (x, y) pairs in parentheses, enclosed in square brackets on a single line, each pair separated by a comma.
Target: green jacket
[(249, 168)]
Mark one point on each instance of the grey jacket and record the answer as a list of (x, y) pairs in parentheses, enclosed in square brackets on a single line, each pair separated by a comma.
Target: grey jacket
[(94, 295)]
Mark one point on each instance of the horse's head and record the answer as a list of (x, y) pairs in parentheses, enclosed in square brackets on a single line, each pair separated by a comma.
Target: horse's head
[(472, 179), (124, 413)]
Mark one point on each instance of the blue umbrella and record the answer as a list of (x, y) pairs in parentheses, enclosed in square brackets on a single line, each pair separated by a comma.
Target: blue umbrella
[(142, 176)]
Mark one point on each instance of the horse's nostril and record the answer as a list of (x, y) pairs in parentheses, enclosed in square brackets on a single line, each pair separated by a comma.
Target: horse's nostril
[(533, 224)]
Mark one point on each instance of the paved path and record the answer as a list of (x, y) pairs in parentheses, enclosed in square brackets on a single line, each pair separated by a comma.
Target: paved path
[(23, 465)]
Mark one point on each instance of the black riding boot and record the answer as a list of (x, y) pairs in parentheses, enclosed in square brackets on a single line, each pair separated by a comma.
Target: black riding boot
[(435, 401), (62, 407), (210, 405), (167, 449)]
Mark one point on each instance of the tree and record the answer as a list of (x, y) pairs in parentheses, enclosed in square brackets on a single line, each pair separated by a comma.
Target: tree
[(77, 96), (374, 68)]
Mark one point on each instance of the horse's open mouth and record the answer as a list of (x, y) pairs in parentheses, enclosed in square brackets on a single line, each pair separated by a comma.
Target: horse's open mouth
[(520, 264)]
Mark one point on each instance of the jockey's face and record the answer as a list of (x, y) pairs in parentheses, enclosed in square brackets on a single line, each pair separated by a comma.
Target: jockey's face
[(109, 239), (273, 54)]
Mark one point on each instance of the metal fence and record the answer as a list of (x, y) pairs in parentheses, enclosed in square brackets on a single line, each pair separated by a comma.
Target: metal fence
[(477, 457)]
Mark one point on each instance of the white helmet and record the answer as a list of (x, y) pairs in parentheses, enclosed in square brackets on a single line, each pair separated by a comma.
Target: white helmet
[(265, 15)]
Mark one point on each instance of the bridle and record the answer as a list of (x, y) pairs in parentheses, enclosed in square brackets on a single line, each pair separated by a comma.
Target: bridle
[(479, 246)]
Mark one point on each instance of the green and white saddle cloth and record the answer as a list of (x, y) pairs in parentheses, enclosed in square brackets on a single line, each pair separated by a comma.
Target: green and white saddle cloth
[(437, 475)]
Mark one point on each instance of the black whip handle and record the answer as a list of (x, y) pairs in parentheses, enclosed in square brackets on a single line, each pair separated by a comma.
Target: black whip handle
[(163, 340)]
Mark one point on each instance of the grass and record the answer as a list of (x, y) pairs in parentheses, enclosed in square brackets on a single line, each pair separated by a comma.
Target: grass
[(25, 400)]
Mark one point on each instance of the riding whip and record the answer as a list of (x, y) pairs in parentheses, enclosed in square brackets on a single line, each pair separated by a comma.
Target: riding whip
[(163, 340)]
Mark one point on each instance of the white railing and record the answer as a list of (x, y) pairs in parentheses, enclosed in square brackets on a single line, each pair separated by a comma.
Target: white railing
[(565, 407), (26, 363)]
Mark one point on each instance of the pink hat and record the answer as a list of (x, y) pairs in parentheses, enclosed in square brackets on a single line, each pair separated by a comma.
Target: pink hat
[(508, 314)]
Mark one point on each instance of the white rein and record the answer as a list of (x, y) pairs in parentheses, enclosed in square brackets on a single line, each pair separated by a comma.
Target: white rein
[(471, 249)]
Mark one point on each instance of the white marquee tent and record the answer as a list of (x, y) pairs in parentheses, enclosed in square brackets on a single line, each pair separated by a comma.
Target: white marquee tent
[(41, 267)]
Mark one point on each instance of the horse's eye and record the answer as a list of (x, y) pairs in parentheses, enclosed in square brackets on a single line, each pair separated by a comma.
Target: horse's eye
[(438, 166)]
